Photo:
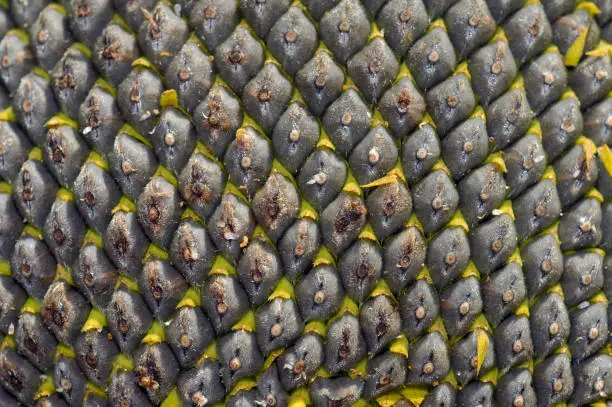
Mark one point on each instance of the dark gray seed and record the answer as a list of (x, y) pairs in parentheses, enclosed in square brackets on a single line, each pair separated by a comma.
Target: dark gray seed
[(528, 32), (450, 103), (156, 370), (71, 79), (341, 221), (434, 200), (34, 104), (598, 123), (525, 164), (270, 388), (440, 396), (138, 97), (128, 319), (448, 255), (536, 209), (347, 121), (576, 174), (345, 345), (230, 224), (248, 160), (360, 268), (14, 149), (278, 324), (592, 380), (259, 271), (492, 243), (460, 303), (262, 15), (34, 341), (95, 276), (481, 191), (173, 138), (239, 357), (432, 59), (217, 119), (515, 388), (389, 207), (470, 25), (11, 225), (557, 8), (580, 226), (299, 246), (124, 389), (50, 36), (553, 380), (96, 194), (94, 352), (24, 14), (319, 294), (192, 252), (420, 152), (318, 7), (592, 80), (12, 298), (568, 28), (380, 321), (276, 205), (464, 357), (33, 266), (65, 152), (202, 382), (16, 375), (500, 9), (385, 373), (298, 363), (162, 288), (132, 163), (606, 226), (374, 156), (295, 135), (429, 360), (508, 118), (582, 276), (503, 292), (373, 69), (320, 82), (292, 40), (88, 18), (493, 69), (266, 96), (345, 29), (214, 20), (239, 58), (561, 125), (403, 22), (17, 60), (465, 147), (589, 331), (34, 192), (403, 107), (476, 393), (162, 35), (64, 311), (340, 391), (131, 11), (545, 80), (191, 74), (404, 256), (113, 53), (322, 177), (513, 344), (125, 242), (64, 231), (100, 119), (543, 264), (225, 302), (69, 381), (159, 210)]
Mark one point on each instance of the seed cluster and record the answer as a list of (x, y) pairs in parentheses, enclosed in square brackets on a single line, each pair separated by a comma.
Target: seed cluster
[(320, 202)]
